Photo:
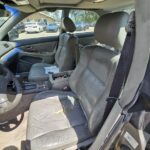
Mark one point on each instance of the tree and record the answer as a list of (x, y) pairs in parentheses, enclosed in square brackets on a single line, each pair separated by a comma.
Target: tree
[(83, 16)]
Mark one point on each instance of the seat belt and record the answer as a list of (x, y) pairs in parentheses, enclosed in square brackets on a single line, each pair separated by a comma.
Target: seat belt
[(124, 65)]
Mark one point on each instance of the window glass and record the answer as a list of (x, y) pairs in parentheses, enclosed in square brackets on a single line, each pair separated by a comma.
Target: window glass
[(37, 25), (84, 20)]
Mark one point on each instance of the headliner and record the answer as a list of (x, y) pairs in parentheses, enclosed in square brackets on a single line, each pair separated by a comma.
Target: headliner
[(32, 5)]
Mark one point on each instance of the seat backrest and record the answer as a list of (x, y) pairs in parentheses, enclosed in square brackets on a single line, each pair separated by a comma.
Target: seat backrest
[(93, 76), (66, 54)]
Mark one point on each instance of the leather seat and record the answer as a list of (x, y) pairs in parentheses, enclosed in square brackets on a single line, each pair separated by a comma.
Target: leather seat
[(64, 115), (63, 120), (65, 57)]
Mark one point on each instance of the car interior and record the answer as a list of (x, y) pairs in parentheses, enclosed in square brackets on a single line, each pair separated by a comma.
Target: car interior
[(56, 82), (66, 56)]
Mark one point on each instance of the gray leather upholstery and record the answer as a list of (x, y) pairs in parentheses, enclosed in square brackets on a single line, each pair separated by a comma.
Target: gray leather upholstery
[(63, 111), (65, 57), (110, 29), (91, 82), (66, 53)]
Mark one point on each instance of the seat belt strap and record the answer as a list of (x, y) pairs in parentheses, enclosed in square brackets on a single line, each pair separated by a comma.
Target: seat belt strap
[(118, 83), (124, 65), (112, 126)]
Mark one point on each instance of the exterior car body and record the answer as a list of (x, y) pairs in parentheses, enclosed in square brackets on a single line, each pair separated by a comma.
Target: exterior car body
[(32, 27), (53, 27)]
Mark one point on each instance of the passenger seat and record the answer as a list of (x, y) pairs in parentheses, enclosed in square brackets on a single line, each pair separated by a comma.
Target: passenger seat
[(65, 57)]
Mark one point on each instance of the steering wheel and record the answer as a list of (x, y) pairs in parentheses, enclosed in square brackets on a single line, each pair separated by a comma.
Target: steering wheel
[(9, 100)]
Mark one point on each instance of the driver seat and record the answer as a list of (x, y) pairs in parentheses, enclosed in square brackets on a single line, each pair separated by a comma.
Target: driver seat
[(65, 120), (66, 56)]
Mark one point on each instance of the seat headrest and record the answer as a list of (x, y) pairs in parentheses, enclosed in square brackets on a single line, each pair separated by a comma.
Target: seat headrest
[(68, 25), (110, 29)]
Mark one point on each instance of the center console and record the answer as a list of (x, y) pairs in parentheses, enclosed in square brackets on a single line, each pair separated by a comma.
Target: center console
[(58, 81)]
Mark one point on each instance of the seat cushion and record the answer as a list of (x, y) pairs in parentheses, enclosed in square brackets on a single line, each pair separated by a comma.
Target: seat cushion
[(56, 121), (41, 71)]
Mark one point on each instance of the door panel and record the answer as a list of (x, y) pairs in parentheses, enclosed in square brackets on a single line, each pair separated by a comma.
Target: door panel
[(36, 51), (27, 59), (40, 47), (26, 42)]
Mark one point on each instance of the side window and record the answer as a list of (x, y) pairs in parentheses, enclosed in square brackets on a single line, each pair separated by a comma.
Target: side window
[(37, 25), (84, 20)]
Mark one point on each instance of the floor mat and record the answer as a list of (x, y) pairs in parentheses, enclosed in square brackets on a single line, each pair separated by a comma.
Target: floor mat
[(12, 140)]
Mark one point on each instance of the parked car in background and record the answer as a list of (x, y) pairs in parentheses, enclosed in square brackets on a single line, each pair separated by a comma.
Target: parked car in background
[(52, 27), (20, 27), (32, 27), (44, 25), (80, 26)]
